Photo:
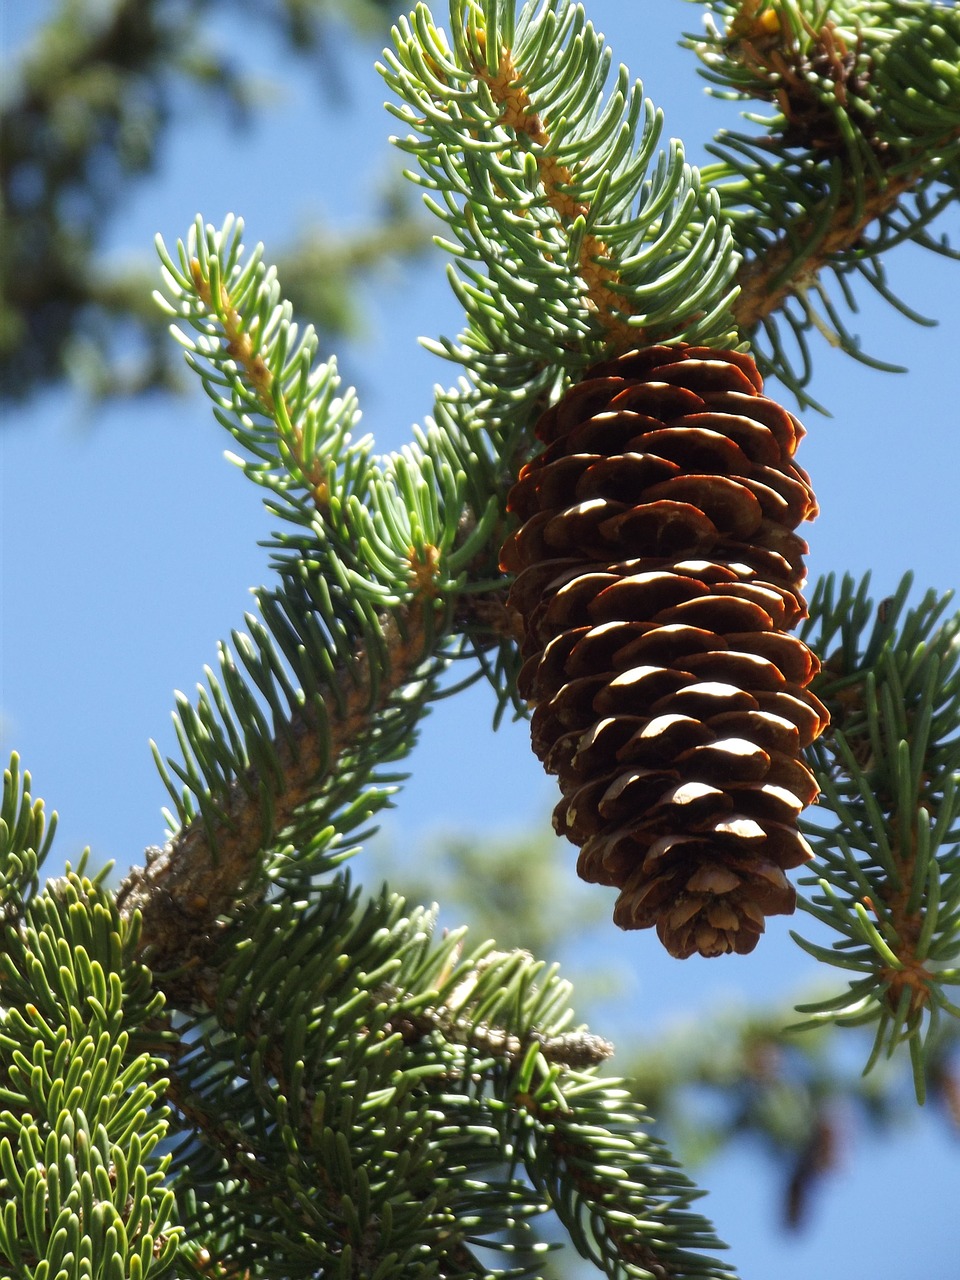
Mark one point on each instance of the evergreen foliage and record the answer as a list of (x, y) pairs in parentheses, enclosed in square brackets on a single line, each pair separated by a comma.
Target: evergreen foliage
[(81, 1082), (889, 772), (238, 1064), (859, 153)]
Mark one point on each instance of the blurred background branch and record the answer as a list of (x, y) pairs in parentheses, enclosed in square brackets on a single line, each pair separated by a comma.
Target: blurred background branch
[(84, 117), (742, 1079)]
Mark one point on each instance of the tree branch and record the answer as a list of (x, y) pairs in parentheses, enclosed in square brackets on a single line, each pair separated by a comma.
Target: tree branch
[(766, 281), (187, 889)]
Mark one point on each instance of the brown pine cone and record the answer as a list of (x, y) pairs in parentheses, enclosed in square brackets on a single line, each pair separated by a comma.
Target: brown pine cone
[(657, 576)]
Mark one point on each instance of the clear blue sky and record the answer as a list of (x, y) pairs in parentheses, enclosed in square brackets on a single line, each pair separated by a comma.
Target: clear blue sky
[(129, 546)]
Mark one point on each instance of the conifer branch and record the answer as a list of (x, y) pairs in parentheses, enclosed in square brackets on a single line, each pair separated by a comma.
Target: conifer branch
[(768, 280), (440, 1035), (301, 1070), (26, 834), (596, 262), (82, 1182), (575, 1049), (190, 886), (552, 188), (186, 891), (358, 618), (866, 122), (886, 882), (603, 1206)]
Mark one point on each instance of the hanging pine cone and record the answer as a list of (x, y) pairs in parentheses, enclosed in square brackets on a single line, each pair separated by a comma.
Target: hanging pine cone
[(657, 577)]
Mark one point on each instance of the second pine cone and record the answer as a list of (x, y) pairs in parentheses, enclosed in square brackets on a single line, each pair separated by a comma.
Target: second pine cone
[(657, 577)]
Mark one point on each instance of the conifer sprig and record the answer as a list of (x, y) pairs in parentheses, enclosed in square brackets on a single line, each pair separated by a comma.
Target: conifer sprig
[(344, 1030), (887, 880), (552, 195), (291, 744), (25, 838), (82, 1115), (858, 152)]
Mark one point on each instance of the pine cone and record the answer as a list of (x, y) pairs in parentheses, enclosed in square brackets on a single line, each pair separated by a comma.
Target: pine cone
[(657, 576)]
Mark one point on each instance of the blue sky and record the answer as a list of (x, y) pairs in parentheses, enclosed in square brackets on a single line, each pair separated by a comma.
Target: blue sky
[(129, 547)]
